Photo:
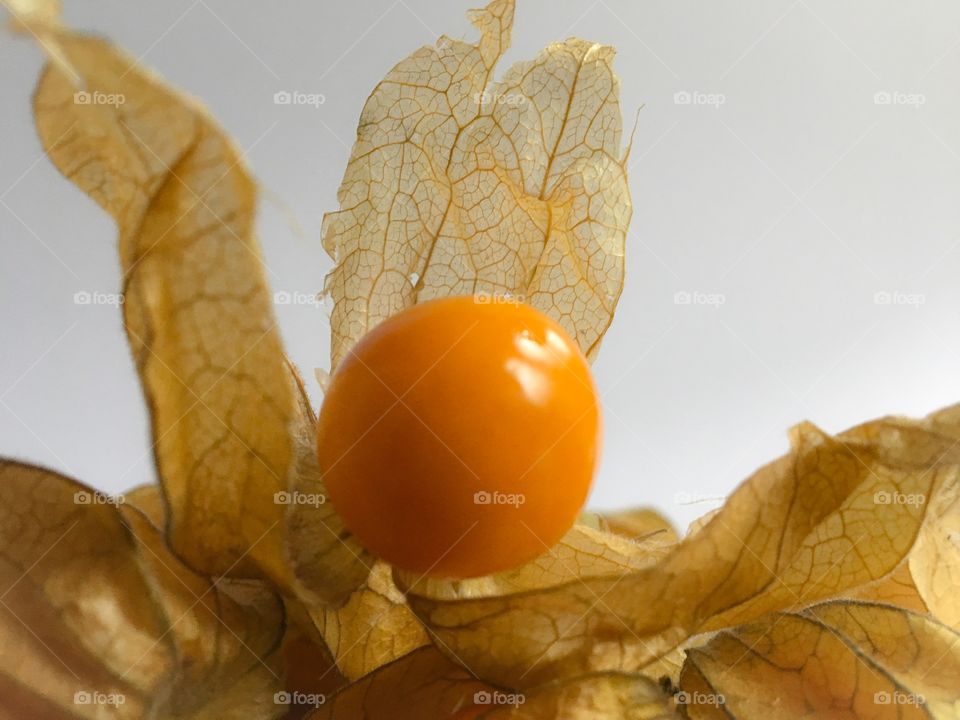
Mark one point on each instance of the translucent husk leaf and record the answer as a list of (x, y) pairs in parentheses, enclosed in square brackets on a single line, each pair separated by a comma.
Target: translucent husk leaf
[(590, 697), (426, 684), (422, 684), (898, 588), (934, 565), (95, 605), (329, 565), (41, 20), (373, 628), (311, 674), (810, 526), (458, 185), (928, 579), (837, 659), (34, 16), (583, 552), (347, 597), (197, 311)]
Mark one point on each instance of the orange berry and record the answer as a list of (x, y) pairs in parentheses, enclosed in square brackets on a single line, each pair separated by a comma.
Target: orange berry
[(460, 438)]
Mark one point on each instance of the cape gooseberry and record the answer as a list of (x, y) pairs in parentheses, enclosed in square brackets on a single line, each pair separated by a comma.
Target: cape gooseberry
[(460, 437)]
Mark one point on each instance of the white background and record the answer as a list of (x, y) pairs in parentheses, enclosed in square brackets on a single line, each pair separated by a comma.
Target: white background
[(795, 202)]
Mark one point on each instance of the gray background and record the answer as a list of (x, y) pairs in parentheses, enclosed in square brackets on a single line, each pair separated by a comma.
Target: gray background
[(784, 211)]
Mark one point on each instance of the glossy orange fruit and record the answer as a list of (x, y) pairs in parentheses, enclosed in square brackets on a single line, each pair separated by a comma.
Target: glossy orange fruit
[(460, 436)]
